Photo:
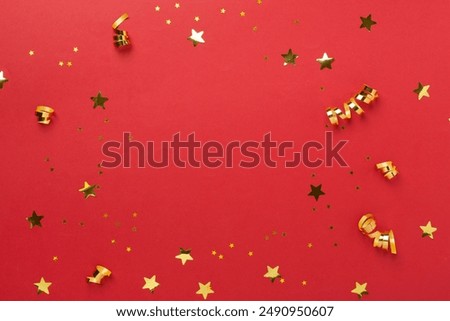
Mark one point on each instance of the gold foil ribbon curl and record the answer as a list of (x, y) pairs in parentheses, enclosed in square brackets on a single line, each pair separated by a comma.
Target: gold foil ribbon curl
[(99, 274), (385, 240), (121, 37), (44, 114), (366, 95), (388, 169)]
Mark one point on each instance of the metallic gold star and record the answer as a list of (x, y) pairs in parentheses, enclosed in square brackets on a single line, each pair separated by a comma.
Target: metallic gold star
[(113, 241), (282, 280), (128, 249), (99, 100), (310, 245), (55, 259), (242, 14), (222, 11), (272, 273), (304, 282), (31, 53), (204, 289), (69, 64), (259, 1), (42, 286), (184, 256), (157, 8), (316, 191), (231, 245), (75, 49), (367, 22), (422, 91), (220, 256), (213, 252), (196, 37), (88, 190), (168, 22), (35, 220), (151, 283), (177, 5), (197, 18), (135, 214), (250, 253), (325, 61), (61, 63), (428, 230), (360, 289), (2, 79), (289, 58)]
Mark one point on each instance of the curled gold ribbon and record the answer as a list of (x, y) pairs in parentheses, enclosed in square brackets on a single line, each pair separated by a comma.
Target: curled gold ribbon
[(384, 240), (44, 114), (388, 169), (366, 95), (99, 274), (121, 37)]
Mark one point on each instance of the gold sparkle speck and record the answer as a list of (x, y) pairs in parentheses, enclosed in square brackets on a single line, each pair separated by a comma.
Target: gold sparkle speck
[(61, 63), (55, 258), (177, 5), (157, 8), (220, 257), (222, 11), (75, 49), (128, 249), (197, 18), (250, 253), (31, 52), (168, 22), (69, 64), (213, 252), (242, 14), (231, 245)]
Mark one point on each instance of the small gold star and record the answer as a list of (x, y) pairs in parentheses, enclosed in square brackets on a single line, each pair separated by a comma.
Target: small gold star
[(272, 273), (304, 282), (151, 283), (289, 58), (325, 61), (231, 245), (197, 18), (42, 286), (69, 64), (220, 257), (259, 1), (31, 53), (360, 289), (75, 49), (35, 220), (204, 289), (222, 11), (250, 253), (177, 5), (282, 280), (55, 258), (113, 241), (428, 230), (135, 214), (157, 8), (99, 100), (316, 191), (367, 22), (168, 22), (2, 79), (196, 37), (128, 249), (422, 91), (242, 14), (184, 256), (61, 63), (255, 28), (310, 245), (213, 252), (88, 190)]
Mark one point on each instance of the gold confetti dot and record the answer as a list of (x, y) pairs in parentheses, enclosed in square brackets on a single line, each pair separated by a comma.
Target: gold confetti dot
[(231, 245), (69, 64), (310, 245), (61, 63), (55, 258), (282, 280), (75, 49), (31, 52), (250, 253), (304, 282), (197, 18), (220, 257), (128, 249), (177, 5), (274, 233), (259, 1), (105, 215), (168, 22), (255, 28), (113, 241), (213, 252), (134, 215)]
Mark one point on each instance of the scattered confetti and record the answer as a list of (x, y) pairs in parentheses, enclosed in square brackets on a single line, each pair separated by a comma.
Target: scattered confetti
[(157, 8), (177, 5), (428, 230), (222, 11), (44, 114), (360, 289), (151, 283), (184, 256), (242, 14), (35, 220), (168, 22), (272, 273), (220, 256), (422, 91), (204, 289), (99, 274), (316, 191), (31, 52), (75, 49), (42, 286), (121, 37), (388, 169)]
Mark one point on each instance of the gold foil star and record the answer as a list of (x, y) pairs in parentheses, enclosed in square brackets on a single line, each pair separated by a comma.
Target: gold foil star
[(42, 286), (316, 191), (197, 18), (304, 282), (367, 22), (250, 253), (272, 273), (360, 289), (422, 91), (75, 49), (2, 79), (61, 63), (231, 245), (289, 58), (222, 11), (88, 190), (184, 256), (242, 13), (177, 5), (151, 283), (157, 8), (325, 61), (196, 37), (428, 230), (31, 53), (259, 1), (168, 22), (204, 290), (35, 220), (99, 100)]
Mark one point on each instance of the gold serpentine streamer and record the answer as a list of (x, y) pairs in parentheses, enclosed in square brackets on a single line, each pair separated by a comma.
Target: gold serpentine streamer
[(99, 274), (388, 169), (121, 37), (44, 114), (385, 240)]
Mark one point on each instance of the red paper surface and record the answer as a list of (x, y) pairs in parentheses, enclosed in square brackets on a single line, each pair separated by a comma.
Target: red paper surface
[(223, 90)]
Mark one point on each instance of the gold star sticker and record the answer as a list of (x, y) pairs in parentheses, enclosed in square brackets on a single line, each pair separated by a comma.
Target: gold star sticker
[(231, 245), (42, 286), (272, 273), (177, 5), (35, 220), (2, 79), (428, 230), (151, 283), (289, 58), (325, 61), (204, 290), (75, 49), (196, 37), (184, 256), (99, 100), (422, 91), (197, 18), (168, 22), (360, 289), (222, 11), (242, 13), (31, 53), (157, 8), (367, 22), (88, 190), (316, 191)]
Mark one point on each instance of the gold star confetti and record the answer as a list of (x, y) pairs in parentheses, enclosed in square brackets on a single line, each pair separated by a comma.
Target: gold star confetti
[(204, 289), (61, 63), (220, 257), (255, 28), (325, 61), (282, 280), (196, 37), (289, 58), (75, 49), (55, 259), (213, 252), (42, 286), (69, 64), (184, 256), (31, 53), (242, 14), (99, 273), (151, 283), (168, 22), (259, 1), (197, 18), (316, 191), (177, 5), (310, 245), (157, 8), (99, 100), (428, 230), (304, 283), (422, 91), (272, 273), (231, 245), (222, 11), (128, 249), (134, 215), (88, 190), (250, 253), (367, 22), (35, 220), (360, 289), (113, 241), (2, 79), (105, 215)]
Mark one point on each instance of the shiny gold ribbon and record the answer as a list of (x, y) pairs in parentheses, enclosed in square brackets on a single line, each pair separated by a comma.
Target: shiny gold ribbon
[(121, 37), (99, 274), (44, 114), (388, 169), (366, 95), (384, 240)]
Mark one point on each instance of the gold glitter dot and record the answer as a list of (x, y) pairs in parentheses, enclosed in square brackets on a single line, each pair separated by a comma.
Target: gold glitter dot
[(213, 252), (242, 14), (168, 22), (250, 253), (310, 245), (231, 245), (282, 280), (75, 49), (220, 257), (128, 249)]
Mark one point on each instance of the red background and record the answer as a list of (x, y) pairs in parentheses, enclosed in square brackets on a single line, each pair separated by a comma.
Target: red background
[(223, 90)]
